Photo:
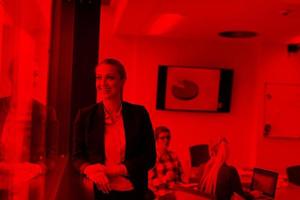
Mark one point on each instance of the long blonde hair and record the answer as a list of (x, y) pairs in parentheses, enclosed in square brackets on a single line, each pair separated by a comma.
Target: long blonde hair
[(219, 155)]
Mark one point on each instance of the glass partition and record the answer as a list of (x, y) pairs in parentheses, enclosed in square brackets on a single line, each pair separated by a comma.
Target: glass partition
[(26, 122)]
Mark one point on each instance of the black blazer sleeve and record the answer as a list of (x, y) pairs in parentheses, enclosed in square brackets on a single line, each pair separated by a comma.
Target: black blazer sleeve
[(146, 159), (79, 148)]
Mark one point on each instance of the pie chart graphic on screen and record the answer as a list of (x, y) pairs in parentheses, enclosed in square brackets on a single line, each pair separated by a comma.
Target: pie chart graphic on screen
[(185, 90)]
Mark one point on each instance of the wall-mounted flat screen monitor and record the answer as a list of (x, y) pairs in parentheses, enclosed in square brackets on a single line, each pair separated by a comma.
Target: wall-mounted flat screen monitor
[(194, 89)]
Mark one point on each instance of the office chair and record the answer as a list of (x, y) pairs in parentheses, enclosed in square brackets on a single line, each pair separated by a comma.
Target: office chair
[(293, 174), (199, 154)]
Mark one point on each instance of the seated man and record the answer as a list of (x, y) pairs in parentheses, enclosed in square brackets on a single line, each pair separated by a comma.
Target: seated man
[(167, 169)]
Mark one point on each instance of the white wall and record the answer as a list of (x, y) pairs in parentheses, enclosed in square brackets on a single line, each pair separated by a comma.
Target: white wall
[(251, 62), (276, 65)]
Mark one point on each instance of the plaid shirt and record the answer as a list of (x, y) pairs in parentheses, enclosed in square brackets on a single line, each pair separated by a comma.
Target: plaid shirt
[(167, 170)]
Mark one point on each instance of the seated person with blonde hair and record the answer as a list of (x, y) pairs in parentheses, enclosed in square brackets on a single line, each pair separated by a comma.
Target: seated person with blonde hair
[(167, 169), (219, 178)]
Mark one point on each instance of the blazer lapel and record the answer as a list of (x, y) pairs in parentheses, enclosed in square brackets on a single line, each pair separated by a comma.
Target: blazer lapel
[(127, 126), (96, 130)]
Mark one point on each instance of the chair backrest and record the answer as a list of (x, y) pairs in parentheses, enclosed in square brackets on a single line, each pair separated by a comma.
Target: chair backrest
[(264, 181), (199, 154), (293, 174)]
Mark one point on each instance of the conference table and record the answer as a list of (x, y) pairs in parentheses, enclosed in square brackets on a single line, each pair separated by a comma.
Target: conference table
[(288, 191), (284, 190), (65, 183)]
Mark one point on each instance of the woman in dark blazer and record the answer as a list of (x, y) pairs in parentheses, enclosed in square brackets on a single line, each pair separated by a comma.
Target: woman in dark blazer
[(114, 143)]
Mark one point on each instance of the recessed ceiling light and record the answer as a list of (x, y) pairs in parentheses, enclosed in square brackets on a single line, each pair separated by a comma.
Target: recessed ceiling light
[(238, 34)]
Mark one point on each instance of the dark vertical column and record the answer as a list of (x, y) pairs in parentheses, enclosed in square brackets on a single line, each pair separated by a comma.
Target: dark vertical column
[(60, 68), (73, 55), (85, 57)]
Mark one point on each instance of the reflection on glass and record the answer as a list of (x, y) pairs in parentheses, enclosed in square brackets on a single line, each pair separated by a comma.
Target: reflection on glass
[(26, 123)]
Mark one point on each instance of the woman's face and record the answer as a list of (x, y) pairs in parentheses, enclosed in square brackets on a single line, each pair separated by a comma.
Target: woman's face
[(163, 140), (108, 82)]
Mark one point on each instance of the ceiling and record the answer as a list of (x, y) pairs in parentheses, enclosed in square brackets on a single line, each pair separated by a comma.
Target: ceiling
[(33, 16), (273, 20)]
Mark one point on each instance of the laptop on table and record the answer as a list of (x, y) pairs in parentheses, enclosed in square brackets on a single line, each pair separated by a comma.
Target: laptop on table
[(265, 182)]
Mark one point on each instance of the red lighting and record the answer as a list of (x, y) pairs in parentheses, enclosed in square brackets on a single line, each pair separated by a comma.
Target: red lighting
[(165, 23)]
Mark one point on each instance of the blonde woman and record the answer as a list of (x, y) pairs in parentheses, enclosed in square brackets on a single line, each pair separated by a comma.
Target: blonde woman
[(219, 178), (114, 144)]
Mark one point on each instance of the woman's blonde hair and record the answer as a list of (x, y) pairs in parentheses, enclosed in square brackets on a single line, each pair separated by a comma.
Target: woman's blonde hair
[(219, 154), (117, 64)]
